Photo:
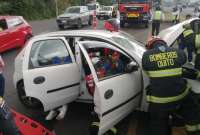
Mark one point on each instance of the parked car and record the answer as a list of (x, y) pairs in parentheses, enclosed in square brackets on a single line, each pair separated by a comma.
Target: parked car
[(106, 12), (57, 68), (74, 16), (14, 32)]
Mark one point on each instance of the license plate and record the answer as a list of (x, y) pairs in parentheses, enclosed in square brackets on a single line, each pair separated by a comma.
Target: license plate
[(133, 15)]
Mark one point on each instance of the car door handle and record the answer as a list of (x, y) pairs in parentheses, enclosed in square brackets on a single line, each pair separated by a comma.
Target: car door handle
[(39, 80), (108, 94)]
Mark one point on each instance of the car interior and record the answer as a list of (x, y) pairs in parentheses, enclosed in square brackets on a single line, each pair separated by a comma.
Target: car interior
[(3, 25)]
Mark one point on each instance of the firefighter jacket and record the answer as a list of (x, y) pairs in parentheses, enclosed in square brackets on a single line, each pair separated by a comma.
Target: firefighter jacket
[(163, 65)]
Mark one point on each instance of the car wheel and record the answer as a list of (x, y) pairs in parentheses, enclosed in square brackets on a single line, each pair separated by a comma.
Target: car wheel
[(27, 38), (61, 27), (90, 20), (79, 25), (26, 100)]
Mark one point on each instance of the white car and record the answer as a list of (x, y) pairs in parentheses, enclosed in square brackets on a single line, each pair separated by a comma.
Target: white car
[(52, 68), (106, 12)]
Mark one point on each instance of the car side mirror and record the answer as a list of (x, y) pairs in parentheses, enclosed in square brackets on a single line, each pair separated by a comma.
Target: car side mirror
[(131, 67)]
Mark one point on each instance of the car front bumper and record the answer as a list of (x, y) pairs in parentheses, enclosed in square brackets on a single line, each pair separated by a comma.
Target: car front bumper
[(69, 22), (140, 18)]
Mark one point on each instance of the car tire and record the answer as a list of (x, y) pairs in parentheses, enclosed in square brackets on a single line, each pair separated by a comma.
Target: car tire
[(61, 27), (29, 102), (79, 24), (27, 37), (90, 20)]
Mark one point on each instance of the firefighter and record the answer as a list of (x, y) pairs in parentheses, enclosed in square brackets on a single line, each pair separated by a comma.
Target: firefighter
[(2, 80), (176, 15), (188, 41), (157, 18), (7, 124), (168, 91)]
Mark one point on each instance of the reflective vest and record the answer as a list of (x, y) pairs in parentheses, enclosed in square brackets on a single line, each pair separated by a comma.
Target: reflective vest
[(187, 32), (165, 100), (197, 43), (157, 15)]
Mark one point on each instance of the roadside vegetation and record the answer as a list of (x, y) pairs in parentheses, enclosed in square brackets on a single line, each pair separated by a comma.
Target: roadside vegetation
[(38, 9)]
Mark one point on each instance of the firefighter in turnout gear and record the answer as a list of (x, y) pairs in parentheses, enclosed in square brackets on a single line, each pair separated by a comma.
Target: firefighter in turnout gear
[(157, 18), (188, 41), (168, 92)]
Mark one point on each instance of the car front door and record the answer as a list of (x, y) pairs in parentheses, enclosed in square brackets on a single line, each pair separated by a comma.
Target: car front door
[(117, 93), (50, 72)]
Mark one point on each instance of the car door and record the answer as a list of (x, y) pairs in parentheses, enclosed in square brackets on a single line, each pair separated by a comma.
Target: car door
[(116, 95), (50, 72)]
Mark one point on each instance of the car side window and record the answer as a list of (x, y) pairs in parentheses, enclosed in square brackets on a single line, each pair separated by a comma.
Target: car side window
[(46, 53), (107, 61), (14, 22), (3, 25)]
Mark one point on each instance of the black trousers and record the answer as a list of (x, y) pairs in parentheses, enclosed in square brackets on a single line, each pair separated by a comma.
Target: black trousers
[(197, 61), (188, 109), (155, 28)]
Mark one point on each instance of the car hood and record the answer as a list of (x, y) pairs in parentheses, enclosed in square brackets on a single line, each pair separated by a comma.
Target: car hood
[(68, 15)]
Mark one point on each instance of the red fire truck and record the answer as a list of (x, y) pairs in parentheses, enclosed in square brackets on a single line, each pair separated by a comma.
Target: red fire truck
[(135, 11)]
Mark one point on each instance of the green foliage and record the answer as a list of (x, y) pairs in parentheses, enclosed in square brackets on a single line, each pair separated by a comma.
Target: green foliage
[(39, 9)]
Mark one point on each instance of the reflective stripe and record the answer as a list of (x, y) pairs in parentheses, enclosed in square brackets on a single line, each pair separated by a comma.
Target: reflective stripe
[(95, 124), (198, 74), (157, 15), (165, 73), (1, 100), (197, 43), (114, 130), (187, 32), (192, 128), (163, 100)]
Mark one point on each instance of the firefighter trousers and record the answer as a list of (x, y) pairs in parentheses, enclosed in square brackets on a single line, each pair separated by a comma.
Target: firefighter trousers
[(155, 28), (189, 110)]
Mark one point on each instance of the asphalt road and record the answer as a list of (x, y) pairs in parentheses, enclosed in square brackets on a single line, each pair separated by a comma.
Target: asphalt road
[(77, 118)]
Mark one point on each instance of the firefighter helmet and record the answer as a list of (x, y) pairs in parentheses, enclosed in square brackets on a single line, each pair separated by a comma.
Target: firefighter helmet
[(155, 41)]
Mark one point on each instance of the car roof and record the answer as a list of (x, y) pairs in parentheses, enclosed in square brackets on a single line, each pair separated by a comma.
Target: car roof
[(93, 33), (8, 17)]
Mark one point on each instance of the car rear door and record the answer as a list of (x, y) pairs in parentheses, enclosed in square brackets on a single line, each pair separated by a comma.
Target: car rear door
[(116, 95), (50, 72)]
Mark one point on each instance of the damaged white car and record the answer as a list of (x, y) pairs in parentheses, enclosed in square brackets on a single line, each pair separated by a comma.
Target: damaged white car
[(57, 68)]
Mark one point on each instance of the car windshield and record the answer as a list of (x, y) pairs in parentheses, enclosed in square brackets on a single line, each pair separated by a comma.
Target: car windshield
[(91, 7), (128, 42), (73, 10), (106, 9), (128, 1)]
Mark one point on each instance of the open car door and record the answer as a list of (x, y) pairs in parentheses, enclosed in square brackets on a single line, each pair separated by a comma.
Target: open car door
[(116, 94), (50, 72)]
